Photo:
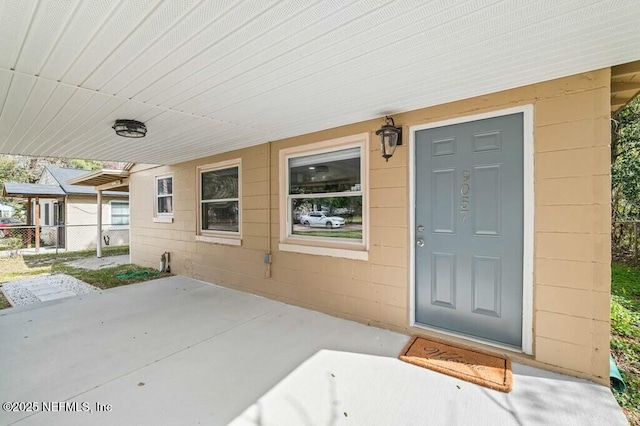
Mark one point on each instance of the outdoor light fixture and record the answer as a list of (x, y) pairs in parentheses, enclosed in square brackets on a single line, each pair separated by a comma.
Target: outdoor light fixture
[(130, 128), (390, 137)]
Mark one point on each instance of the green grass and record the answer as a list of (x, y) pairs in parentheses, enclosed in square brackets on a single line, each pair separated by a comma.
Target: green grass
[(332, 234), (4, 303), (15, 268), (108, 277), (625, 335)]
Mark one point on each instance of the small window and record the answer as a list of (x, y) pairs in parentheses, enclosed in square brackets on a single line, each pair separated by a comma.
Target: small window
[(47, 214), (219, 199), (119, 213), (324, 195), (164, 196)]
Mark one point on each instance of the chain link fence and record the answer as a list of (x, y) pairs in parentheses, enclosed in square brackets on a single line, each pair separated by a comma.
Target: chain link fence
[(22, 239)]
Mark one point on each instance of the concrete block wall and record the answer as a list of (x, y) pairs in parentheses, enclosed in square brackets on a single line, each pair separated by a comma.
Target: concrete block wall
[(572, 251)]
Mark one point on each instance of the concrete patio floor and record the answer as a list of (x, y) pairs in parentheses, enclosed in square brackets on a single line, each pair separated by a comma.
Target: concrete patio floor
[(177, 351)]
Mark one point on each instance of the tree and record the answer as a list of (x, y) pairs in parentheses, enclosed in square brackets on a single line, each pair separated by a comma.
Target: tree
[(625, 163)]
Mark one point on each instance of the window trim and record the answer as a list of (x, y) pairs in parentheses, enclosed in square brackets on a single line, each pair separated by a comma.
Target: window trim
[(218, 237), (117, 225), (158, 216), (321, 245)]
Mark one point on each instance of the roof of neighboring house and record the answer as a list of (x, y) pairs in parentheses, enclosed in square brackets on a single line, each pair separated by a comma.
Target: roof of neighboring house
[(62, 176), (12, 189)]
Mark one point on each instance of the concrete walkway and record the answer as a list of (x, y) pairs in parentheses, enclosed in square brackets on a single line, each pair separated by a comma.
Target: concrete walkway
[(96, 263), (177, 351), (43, 289)]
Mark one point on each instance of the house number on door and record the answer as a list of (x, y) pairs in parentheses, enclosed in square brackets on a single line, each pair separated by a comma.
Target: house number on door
[(464, 194)]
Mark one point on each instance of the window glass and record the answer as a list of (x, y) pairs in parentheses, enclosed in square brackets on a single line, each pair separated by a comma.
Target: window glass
[(337, 171), (337, 217), (164, 195), (219, 200), (119, 213), (220, 216), (325, 196), (165, 186), (220, 184)]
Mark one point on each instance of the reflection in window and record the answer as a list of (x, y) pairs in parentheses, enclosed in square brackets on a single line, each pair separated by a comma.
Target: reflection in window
[(219, 200), (325, 195), (164, 195)]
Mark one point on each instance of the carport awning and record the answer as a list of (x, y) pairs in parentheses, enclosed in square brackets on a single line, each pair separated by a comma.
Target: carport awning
[(31, 190), (625, 85), (113, 180)]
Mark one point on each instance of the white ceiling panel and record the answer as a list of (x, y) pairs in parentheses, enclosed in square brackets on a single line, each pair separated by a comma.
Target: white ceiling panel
[(209, 76), (16, 98), (122, 22), (77, 35), (48, 24), (161, 21), (176, 40), (41, 89), (15, 17)]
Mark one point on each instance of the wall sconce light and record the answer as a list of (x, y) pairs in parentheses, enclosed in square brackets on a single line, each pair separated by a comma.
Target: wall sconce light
[(130, 128), (390, 137)]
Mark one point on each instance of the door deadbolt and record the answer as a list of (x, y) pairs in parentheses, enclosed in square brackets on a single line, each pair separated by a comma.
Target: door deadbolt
[(420, 228)]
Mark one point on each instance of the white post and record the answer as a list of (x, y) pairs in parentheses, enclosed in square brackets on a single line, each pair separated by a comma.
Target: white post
[(99, 241)]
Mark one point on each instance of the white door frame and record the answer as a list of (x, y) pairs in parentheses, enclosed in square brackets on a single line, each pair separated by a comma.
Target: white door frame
[(527, 261)]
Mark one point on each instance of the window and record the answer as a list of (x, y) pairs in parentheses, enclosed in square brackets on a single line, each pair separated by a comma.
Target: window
[(164, 196), (324, 197), (119, 213), (47, 214), (219, 199)]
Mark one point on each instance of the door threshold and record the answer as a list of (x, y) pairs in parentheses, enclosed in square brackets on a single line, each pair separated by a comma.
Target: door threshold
[(467, 337)]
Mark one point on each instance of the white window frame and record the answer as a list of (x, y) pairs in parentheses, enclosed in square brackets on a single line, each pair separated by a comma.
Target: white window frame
[(115, 225), (319, 245), (158, 216), (219, 237)]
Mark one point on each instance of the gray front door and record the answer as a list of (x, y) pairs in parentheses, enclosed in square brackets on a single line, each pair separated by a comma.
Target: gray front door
[(469, 228)]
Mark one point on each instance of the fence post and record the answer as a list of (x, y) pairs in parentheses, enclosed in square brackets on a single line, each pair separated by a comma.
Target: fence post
[(37, 230), (635, 239)]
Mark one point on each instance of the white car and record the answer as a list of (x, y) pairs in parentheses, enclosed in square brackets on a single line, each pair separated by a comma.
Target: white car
[(318, 219)]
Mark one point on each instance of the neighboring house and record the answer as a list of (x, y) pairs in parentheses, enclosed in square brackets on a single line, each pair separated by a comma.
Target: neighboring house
[(6, 210), (68, 213)]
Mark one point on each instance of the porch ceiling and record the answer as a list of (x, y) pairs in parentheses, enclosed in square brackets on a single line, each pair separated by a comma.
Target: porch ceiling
[(213, 76), (115, 180), (625, 85)]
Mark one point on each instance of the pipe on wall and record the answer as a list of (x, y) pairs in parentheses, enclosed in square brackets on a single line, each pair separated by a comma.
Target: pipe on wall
[(267, 260)]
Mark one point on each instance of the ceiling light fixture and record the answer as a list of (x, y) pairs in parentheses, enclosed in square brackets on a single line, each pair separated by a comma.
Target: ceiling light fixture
[(130, 128)]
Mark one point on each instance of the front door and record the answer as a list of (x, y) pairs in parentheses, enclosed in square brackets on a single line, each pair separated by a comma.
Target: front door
[(469, 228)]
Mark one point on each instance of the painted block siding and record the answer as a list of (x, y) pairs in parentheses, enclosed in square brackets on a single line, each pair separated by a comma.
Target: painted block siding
[(572, 250), (81, 223)]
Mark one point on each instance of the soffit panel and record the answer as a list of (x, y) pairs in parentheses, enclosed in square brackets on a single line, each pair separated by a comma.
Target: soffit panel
[(211, 76)]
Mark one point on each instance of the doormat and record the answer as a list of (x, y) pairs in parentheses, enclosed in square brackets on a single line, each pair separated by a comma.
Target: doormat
[(486, 370)]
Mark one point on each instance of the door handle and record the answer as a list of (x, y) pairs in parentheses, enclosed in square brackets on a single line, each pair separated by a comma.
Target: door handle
[(420, 242)]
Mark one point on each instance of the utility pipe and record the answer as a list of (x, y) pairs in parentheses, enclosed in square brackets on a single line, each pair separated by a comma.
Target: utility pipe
[(267, 273)]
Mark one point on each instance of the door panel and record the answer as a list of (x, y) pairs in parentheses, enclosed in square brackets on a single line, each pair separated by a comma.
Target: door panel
[(469, 198)]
